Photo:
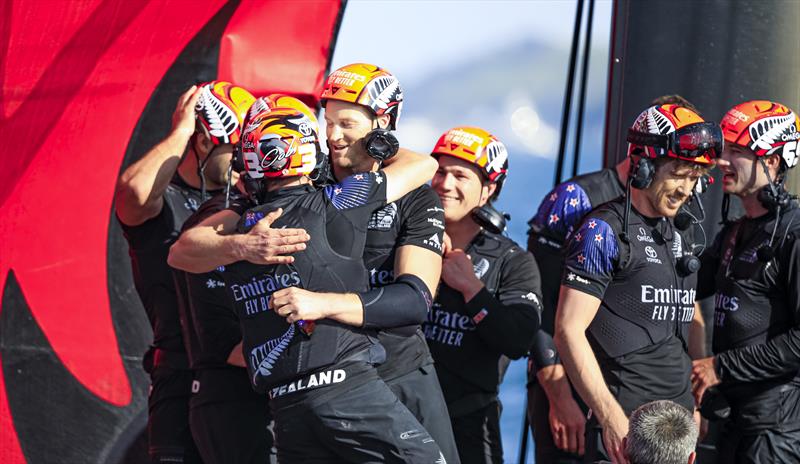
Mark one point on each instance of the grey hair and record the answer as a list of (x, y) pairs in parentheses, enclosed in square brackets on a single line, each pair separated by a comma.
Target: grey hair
[(661, 432)]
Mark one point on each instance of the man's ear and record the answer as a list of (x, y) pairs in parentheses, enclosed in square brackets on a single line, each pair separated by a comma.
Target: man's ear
[(383, 121), (773, 164), (692, 457), (486, 192), (625, 447)]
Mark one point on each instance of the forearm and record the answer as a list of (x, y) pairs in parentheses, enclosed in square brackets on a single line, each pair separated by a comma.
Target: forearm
[(345, 308), (697, 335), (543, 351), (146, 180), (406, 171), (553, 380), (506, 328), (777, 357), (584, 372), (404, 302), (236, 358), (203, 249)]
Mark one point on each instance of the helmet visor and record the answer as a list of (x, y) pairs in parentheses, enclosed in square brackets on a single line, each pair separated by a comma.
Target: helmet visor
[(696, 140)]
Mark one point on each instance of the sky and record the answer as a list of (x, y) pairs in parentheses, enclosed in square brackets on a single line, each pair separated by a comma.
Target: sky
[(497, 64)]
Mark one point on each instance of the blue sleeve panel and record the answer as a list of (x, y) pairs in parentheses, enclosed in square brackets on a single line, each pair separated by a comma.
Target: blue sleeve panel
[(561, 211), (402, 303)]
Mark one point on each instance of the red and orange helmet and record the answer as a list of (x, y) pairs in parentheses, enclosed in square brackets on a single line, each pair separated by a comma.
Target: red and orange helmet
[(277, 100), (280, 143), (476, 146), (674, 131), (366, 85), (765, 127), (221, 110)]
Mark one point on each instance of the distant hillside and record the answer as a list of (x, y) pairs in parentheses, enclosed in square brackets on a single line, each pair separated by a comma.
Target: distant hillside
[(526, 80)]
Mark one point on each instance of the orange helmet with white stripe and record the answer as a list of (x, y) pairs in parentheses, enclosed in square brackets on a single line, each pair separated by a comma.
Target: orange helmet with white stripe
[(766, 128), (478, 147), (221, 110), (366, 85)]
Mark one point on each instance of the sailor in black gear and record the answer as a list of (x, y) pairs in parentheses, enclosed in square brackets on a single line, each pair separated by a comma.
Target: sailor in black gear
[(154, 197), (229, 421), (487, 309), (624, 307), (561, 211), (328, 402), (752, 269), (557, 414)]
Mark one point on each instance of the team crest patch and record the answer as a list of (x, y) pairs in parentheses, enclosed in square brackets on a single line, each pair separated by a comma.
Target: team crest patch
[(383, 218)]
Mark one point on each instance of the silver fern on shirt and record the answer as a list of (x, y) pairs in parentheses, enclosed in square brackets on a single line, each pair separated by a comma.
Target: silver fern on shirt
[(263, 357)]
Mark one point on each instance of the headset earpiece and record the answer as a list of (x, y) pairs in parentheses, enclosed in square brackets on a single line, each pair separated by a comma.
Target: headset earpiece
[(490, 219), (381, 144), (642, 173)]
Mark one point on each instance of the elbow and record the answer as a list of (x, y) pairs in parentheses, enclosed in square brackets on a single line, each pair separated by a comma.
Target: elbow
[(174, 257), (129, 193)]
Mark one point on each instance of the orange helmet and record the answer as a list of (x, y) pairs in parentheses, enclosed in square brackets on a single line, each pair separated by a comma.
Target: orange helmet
[(221, 110), (476, 146), (280, 143), (765, 127), (676, 132), (366, 85), (277, 100)]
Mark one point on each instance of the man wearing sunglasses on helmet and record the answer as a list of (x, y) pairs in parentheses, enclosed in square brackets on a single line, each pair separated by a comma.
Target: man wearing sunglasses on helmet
[(628, 288), (753, 270), (557, 414)]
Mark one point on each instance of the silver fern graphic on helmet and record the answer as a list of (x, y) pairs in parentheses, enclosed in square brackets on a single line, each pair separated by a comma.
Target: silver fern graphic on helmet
[(383, 90), (496, 156), (263, 357), (257, 107), (765, 132), (222, 121), (657, 123)]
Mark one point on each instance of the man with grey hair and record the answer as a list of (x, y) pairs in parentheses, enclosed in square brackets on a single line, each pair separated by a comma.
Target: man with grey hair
[(661, 432)]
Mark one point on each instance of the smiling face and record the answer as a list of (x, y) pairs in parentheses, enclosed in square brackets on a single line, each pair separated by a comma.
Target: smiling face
[(672, 186), (346, 124), (460, 186)]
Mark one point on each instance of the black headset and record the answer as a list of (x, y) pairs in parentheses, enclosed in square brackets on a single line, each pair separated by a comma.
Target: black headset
[(774, 198), (490, 218), (380, 144), (642, 172)]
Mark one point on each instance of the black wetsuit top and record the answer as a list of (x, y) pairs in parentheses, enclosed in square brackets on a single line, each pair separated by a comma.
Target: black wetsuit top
[(559, 214), (149, 245), (639, 333), (757, 316), (336, 218), (467, 340), (416, 219), (210, 327)]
